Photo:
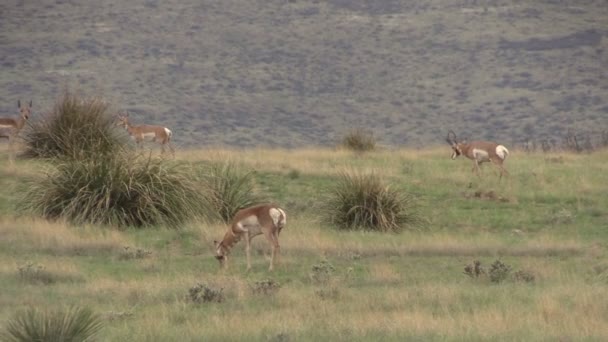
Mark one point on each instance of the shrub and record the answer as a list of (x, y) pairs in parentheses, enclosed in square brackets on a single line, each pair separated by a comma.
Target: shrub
[(227, 190), (265, 287), (364, 201), (359, 140), (322, 272), (75, 324), (120, 190), (76, 128), (499, 271), (202, 293)]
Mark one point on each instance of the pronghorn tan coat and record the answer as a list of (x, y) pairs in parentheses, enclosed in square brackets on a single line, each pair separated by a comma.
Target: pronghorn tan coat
[(268, 219), (159, 134), (480, 152), (10, 127)]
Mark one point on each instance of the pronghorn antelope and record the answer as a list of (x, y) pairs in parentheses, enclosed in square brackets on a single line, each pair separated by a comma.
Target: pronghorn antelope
[(159, 134), (10, 127), (267, 219), (479, 152)]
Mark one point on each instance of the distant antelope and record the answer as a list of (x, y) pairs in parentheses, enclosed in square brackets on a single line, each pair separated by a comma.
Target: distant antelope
[(10, 127), (159, 134), (479, 152), (267, 219)]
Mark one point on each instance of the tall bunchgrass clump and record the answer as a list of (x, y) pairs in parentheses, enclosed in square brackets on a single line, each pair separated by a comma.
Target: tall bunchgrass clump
[(72, 325), (119, 190), (359, 140), (364, 201), (77, 127), (228, 188)]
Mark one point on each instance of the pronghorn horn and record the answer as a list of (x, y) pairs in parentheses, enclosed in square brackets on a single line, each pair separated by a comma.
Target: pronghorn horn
[(30, 103), (18, 103), (451, 140)]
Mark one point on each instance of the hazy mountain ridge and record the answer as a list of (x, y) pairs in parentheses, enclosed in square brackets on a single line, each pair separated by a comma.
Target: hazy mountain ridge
[(291, 73)]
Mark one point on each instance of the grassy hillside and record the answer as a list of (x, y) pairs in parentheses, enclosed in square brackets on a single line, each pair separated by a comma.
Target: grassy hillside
[(548, 222), (294, 73)]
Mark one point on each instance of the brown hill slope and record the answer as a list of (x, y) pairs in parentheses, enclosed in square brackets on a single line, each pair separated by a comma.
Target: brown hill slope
[(298, 72)]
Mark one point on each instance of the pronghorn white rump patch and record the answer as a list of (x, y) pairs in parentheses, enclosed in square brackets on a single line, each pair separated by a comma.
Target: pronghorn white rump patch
[(481, 155), (168, 131), (502, 152), (278, 217)]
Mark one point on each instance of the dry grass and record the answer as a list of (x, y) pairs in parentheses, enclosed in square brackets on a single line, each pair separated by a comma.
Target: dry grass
[(58, 238)]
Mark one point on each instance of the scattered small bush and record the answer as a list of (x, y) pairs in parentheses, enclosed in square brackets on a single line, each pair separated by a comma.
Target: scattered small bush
[(37, 274), (265, 287), (499, 271), (129, 253), (202, 293), (328, 293), (523, 276), (32, 273), (228, 189), (364, 201), (76, 128), (121, 190), (359, 140), (72, 325), (322, 272), (474, 270)]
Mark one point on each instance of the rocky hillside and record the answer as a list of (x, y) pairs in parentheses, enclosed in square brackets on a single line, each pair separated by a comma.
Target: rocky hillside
[(303, 72)]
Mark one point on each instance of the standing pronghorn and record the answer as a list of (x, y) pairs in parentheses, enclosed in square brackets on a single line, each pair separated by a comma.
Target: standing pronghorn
[(267, 219), (10, 127), (479, 152), (159, 134)]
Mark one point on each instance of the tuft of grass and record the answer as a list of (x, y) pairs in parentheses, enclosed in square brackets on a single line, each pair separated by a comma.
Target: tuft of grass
[(228, 189), (359, 140), (77, 127), (120, 190), (74, 324), (364, 201)]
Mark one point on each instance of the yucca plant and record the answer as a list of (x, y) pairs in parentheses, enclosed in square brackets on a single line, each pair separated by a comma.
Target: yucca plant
[(72, 325), (77, 127), (228, 188), (118, 190), (359, 140), (364, 201)]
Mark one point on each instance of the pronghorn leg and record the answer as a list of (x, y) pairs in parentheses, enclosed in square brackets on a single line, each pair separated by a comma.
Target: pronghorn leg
[(248, 249), (274, 244), (476, 168), (171, 148)]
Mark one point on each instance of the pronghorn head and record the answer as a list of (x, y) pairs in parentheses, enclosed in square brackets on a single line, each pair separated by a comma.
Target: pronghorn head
[(122, 119), (25, 110), (451, 139), (221, 253)]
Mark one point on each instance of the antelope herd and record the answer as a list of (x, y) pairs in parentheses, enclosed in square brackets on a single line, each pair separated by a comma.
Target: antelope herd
[(266, 219)]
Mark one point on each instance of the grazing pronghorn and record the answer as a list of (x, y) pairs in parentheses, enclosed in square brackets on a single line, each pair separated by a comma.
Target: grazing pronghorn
[(267, 219), (479, 152), (159, 134), (10, 127)]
